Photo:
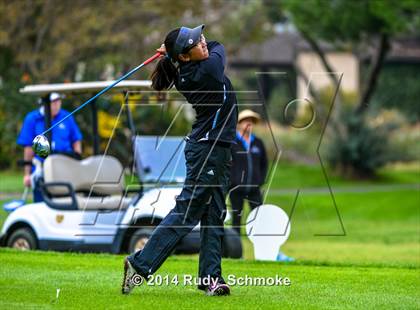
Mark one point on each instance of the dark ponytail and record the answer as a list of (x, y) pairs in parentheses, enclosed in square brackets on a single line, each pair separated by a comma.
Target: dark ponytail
[(165, 73)]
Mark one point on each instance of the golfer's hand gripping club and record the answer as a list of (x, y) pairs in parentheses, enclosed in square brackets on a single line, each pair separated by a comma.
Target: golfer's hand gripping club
[(40, 144)]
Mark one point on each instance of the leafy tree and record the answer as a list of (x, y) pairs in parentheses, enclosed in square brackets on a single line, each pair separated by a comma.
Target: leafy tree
[(46, 41), (364, 27)]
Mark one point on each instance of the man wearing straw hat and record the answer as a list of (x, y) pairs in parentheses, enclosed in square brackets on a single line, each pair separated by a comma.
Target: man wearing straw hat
[(249, 167)]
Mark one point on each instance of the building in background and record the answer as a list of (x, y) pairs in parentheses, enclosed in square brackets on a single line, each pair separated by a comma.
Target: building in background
[(273, 65)]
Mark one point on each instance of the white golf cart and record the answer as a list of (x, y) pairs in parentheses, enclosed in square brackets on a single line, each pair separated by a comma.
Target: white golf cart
[(87, 206)]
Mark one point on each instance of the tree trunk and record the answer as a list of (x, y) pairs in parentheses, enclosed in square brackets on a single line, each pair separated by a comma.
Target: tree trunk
[(333, 116), (317, 49), (325, 115), (375, 69)]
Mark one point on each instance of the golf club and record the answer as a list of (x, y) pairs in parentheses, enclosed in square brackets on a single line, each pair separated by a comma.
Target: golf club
[(16, 203), (40, 144)]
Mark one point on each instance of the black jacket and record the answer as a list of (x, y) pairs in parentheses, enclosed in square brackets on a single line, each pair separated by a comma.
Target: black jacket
[(209, 90), (249, 167)]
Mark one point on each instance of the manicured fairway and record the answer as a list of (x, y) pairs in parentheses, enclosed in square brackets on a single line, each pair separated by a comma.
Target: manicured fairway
[(93, 281), (286, 175), (374, 265)]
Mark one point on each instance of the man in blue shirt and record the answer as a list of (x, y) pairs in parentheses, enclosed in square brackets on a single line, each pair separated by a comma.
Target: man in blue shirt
[(66, 137)]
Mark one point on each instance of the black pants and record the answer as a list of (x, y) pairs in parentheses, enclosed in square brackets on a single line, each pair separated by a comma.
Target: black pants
[(202, 199), (237, 196)]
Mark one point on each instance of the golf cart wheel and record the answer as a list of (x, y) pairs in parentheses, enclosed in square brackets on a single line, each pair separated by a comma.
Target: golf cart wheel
[(232, 244), (22, 239), (139, 239)]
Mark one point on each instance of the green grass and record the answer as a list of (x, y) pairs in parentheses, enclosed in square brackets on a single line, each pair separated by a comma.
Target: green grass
[(286, 175), (289, 175), (3, 214), (381, 228), (11, 181), (401, 173), (387, 217), (371, 221), (374, 265), (93, 281)]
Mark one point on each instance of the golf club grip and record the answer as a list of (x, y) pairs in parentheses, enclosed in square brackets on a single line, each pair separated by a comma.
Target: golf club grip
[(157, 55)]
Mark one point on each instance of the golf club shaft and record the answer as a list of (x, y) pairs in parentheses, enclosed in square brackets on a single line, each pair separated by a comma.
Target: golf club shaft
[(155, 56)]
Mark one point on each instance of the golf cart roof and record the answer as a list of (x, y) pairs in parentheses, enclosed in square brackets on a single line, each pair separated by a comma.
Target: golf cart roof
[(42, 90), (83, 87)]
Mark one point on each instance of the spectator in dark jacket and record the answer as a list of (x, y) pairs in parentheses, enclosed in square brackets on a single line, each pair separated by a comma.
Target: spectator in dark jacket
[(249, 167)]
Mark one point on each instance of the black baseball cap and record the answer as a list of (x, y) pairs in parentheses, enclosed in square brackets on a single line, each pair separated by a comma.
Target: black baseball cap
[(186, 39)]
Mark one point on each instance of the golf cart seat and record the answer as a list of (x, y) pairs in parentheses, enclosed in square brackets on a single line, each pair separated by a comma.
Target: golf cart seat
[(96, 182)]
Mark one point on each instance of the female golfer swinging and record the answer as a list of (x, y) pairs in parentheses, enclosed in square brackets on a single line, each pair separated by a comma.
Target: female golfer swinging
[(196, 68)]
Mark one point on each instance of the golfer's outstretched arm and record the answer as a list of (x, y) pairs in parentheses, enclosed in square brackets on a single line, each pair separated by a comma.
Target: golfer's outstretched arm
[(28, 155), (215, 64)]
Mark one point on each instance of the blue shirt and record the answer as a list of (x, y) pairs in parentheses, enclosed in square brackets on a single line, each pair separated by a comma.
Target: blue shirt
[(245, 144), (63, 136)]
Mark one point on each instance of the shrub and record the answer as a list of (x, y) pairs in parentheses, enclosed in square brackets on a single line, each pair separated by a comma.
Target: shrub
[(361, 150)]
